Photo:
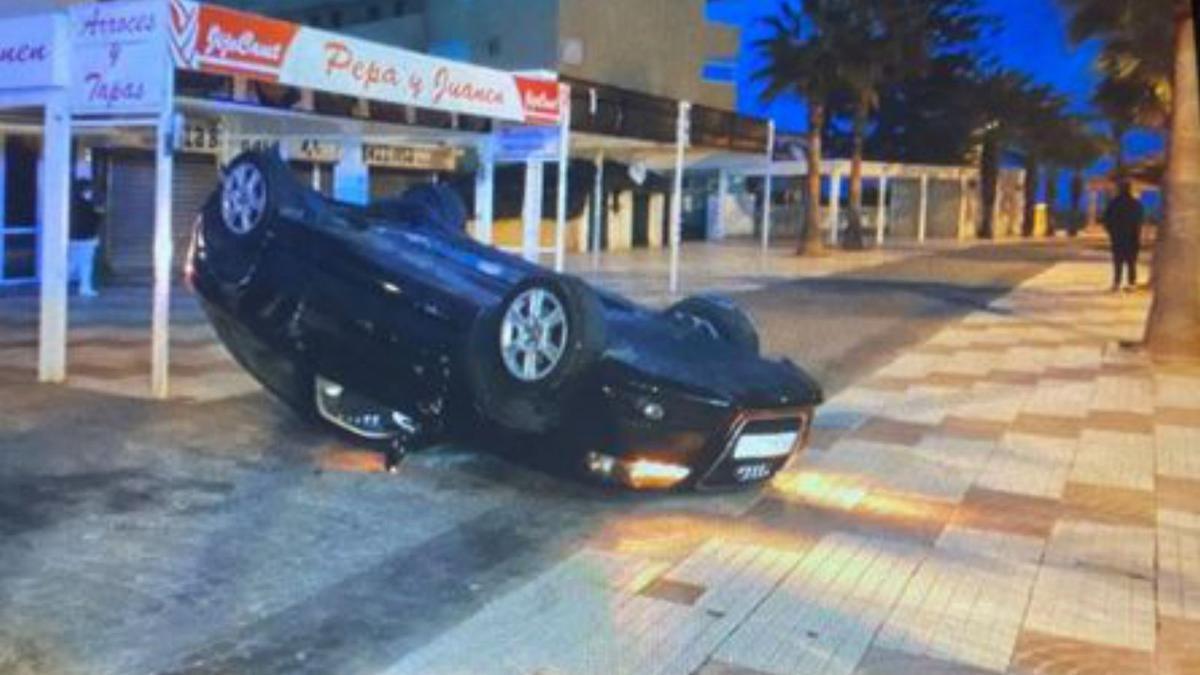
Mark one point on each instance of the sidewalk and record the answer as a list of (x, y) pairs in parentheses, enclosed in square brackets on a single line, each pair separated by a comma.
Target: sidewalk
[(1014, 495)]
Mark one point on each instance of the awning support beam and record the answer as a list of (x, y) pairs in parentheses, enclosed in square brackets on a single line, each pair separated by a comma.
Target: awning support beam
[(564, 161), (767, 187), (160, 327), (682, 134), (55, 216)]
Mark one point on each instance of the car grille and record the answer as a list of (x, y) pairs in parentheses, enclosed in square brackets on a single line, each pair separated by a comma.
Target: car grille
[(731, 471)]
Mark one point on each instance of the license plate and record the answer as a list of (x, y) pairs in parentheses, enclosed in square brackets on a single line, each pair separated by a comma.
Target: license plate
[(764, 446)]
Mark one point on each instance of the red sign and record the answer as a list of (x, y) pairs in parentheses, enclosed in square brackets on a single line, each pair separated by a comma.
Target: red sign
[(238, 43)]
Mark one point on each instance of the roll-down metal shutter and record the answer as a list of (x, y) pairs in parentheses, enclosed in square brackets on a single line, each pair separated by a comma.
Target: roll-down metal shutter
[(129, 225)]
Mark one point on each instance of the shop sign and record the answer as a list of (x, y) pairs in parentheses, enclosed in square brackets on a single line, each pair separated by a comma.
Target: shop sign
[(314, 150), (399, 157), (31, 52), (202, 137), (216, 39), (526, 143), (117, 57)]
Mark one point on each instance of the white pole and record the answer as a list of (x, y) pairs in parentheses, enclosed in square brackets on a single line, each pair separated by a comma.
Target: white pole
[(923, 215), (963, 190), (54, 202), (564, 161), (485, 192), (835, 206), (767, 180), (316, 177), (881, 213), (682, 132), (717, 230), (531, 212), (599, 205), (164, 171)]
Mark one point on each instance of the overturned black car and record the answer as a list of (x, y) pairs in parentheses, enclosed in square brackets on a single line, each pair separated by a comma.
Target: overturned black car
[(390, 323)]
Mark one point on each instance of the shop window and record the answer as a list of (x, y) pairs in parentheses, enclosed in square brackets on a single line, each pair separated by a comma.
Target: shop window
[(335, 18), (493, 47), (374, 13)]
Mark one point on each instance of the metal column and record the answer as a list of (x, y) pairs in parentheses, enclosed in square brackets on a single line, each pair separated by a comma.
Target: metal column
[(767, 180), (682, 134), (54, 206)]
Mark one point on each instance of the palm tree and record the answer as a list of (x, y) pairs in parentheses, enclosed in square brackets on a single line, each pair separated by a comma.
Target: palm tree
[(1126, 103), (802, 60), (1131, 31), (880, 42)]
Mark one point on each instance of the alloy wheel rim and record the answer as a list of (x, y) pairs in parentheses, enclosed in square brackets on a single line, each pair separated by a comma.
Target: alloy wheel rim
[(243, 199), (533, 335)]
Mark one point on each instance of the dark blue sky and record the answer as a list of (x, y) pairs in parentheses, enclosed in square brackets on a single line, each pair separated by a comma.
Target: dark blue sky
[(1032, 38)]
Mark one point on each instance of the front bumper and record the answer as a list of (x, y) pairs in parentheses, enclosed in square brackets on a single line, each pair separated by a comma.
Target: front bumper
[(744, 449)]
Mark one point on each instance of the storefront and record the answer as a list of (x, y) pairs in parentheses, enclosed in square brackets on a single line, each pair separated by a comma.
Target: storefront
[(353, 118)]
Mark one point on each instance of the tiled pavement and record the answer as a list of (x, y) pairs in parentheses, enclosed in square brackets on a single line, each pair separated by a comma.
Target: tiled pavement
[(1018, 494)]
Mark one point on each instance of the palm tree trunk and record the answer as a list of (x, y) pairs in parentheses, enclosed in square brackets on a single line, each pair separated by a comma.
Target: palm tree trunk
[(1076, 198), (1029, 212), (1174, 326), (811, 243), (989, 179), (1052, 179), (854, 229)]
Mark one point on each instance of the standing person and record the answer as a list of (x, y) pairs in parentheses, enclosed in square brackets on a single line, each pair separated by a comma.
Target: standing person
[(1123, 219), (85, 238)]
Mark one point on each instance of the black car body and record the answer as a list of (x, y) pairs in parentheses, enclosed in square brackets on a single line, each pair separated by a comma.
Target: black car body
[(391, 323)]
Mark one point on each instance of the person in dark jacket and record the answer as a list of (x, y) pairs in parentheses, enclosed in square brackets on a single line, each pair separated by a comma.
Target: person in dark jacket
[(85, 238), (1123, 219)]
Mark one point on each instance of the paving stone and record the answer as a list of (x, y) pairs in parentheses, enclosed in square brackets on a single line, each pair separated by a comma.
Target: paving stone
[(1178, 536), (880, 661), (1106, 504), (822, 617), (1178, 451), (1018, 514), (1178, 494), (1029, 464), (1178, 648), (1116, 459), (1063, 398), (966, 601), (1108, 608), (1044, 654), (1102, 547)]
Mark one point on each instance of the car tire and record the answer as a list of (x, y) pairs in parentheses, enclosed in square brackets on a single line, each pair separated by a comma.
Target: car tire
[(506, 388), (238, 221), (720, 318)]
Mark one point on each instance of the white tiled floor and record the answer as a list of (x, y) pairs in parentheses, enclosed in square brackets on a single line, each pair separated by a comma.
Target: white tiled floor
[(1030, 465), (1179, 564), (823, 616), (1099, 546), (1105, 607), (1178, 451), (1114, 458), (966, 601)]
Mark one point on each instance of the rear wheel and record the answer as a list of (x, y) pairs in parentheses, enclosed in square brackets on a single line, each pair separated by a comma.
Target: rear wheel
[(237, 224), (719, 318), (527, 354)]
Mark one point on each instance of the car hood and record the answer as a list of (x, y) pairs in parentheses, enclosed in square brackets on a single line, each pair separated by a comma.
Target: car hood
[(668, 354)]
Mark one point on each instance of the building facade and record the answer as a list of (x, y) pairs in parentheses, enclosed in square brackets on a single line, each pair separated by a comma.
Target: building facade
[(678, 49)]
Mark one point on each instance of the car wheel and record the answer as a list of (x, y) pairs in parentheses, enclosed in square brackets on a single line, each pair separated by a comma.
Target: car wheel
[(239, 219), (527, 353), (718, 318)]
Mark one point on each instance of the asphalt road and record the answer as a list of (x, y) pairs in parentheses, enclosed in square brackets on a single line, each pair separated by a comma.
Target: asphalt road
[(141, 537)]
